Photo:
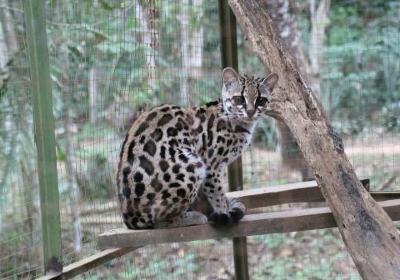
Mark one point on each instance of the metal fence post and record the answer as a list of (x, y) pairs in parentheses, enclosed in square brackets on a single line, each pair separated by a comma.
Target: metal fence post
[(229, 57), (44, 133)]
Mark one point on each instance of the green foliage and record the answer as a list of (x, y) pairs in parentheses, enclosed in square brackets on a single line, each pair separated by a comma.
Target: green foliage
[(362, 55)]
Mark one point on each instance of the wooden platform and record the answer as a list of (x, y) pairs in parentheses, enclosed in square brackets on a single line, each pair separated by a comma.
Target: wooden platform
[(119, 242), (253, 224)]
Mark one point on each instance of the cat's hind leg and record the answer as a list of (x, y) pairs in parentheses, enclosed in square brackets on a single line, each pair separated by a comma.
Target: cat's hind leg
[(190, 219)]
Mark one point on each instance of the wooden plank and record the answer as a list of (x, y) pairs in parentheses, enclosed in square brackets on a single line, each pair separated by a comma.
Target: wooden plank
[(256, 224), (380, 196), (261, 197), (256, 198), (277, 195), (86, 264)]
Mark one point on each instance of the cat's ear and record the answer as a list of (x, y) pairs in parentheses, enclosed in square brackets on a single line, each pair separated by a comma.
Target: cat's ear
[(230, 78), (270, 82)]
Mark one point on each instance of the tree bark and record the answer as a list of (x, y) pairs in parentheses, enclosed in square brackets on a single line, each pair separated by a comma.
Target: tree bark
[(369, 234)]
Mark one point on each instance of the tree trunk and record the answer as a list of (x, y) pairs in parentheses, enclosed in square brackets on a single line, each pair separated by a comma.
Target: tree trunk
[(146, 16), (191, 39), (319, 21), (71, 183), (31, 199), (8, 26), (183, 18), (196, 42), (9, 45), (72, 186), (93, 94), (369, 234), (285, 19)]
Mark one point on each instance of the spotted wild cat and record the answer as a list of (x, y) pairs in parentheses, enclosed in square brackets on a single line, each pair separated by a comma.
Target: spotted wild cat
[(171, 153)]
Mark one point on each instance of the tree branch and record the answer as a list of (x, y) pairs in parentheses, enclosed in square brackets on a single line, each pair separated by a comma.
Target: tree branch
[(369, 234)]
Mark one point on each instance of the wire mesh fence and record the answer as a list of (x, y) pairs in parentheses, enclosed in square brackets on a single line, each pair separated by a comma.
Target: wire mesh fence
[(109, 60)]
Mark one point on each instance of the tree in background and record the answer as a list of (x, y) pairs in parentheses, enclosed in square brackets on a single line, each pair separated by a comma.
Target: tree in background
[(284, 14), (9, 45)]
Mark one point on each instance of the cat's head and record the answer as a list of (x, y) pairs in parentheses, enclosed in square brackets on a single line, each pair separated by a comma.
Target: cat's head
[(245, 97)]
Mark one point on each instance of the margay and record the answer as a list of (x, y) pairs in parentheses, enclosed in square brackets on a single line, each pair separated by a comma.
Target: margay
[(172, 153)]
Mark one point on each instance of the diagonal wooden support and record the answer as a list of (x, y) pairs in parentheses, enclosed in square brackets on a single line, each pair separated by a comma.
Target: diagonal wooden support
[(369, 234), (82, 266)]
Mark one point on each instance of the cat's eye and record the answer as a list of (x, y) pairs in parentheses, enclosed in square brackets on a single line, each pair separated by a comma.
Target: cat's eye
[(261, 101), (238, 100)]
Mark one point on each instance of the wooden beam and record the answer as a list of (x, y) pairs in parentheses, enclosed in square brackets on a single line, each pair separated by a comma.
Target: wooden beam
[(368, 232), (255, 224), (380, 196), (36, 38), (276, 195), (256, 198), (86, 264), (261, 197), (288, 193), (229, 57)]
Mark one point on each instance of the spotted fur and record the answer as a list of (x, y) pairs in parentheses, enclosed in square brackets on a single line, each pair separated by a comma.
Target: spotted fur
[(171, 153)]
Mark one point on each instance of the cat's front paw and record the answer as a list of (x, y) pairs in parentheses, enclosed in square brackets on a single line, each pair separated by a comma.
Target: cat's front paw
[(237, 209), (226, 218), (220, 218), (236, 214)]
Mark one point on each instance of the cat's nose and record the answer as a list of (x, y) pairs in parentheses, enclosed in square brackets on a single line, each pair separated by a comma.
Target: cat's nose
[(250, 113)]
